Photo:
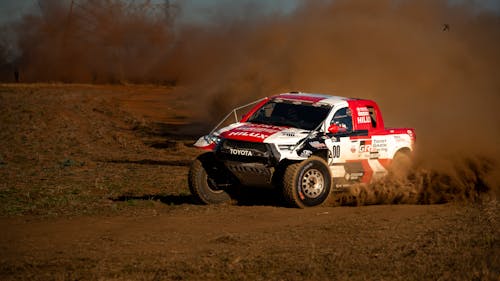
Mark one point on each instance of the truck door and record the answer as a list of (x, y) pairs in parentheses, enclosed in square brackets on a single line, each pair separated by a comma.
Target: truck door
[(365, 127), (343, 150), (339, 142)]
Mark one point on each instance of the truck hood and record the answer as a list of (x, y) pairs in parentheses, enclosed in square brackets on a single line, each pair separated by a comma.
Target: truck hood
[(252, 132)]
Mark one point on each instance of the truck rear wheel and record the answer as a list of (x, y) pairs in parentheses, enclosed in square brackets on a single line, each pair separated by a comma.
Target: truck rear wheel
[(401, 166), (203, 176), (307, 183)]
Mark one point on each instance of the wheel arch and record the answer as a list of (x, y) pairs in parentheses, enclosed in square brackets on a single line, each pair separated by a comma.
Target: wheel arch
[(201, 183), (404, 150)]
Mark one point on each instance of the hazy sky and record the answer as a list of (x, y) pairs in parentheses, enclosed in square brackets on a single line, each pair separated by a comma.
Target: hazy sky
[(191, 9), (198, 10)]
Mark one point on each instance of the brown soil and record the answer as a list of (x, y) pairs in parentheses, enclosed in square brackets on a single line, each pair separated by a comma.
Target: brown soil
[(93, 186)]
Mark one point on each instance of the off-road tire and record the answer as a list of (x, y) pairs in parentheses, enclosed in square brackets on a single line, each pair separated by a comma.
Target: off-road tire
[(202, 183), (307, 183)]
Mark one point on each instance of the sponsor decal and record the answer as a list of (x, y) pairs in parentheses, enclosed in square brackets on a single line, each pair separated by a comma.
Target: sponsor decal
[(398, 138), (366, 146), (241, 152), (255, 131), (248, 134), (380, 145), (363, 115), (354, 176)]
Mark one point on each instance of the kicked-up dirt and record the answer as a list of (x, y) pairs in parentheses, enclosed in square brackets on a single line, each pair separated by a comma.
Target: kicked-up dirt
[(93, 187)]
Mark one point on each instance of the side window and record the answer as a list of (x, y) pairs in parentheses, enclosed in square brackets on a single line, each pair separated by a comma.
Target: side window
[(373, 116), (343, 118)]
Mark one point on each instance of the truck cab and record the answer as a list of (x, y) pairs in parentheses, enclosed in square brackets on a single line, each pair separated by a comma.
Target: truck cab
[(361, 148)]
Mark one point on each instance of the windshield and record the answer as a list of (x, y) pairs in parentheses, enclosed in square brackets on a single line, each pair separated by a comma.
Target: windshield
[(290, 113)]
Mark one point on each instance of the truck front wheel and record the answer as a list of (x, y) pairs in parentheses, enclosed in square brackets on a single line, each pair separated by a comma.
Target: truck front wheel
[(204, 177), (307, 183)]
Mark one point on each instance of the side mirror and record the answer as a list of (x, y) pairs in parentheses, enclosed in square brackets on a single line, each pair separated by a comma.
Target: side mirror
[(333, 129)]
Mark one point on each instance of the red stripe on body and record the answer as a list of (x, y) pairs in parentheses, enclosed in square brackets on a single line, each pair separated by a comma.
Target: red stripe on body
[(368, 172), (386, 163)]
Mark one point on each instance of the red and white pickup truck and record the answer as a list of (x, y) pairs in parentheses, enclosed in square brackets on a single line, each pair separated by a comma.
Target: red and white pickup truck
[(305, 144)]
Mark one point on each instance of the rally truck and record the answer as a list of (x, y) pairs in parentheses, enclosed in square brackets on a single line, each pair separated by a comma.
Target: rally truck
[(307, 145)]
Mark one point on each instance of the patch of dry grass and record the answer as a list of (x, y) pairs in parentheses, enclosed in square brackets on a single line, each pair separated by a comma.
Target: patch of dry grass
[(69, 150)]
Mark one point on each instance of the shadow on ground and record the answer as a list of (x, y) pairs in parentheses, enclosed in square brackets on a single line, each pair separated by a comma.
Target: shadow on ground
[(252, 196), (150, 162), (166, 199), (241, 197)]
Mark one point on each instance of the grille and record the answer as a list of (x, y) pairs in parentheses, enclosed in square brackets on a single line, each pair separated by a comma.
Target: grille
[(260, 152)]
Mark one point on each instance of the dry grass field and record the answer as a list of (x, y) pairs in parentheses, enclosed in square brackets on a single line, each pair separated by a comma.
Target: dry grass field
[(93, 187)]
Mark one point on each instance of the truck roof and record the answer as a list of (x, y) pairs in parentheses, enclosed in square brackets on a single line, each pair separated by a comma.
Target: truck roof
[(312, 97)]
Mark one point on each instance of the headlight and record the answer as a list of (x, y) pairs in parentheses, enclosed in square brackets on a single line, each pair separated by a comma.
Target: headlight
[(212, 139)]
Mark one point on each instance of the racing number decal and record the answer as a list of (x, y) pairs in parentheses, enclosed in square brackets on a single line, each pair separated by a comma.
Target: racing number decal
[(336, 151)]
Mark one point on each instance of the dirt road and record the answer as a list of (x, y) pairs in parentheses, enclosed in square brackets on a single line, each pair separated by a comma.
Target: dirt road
[(192, 242)]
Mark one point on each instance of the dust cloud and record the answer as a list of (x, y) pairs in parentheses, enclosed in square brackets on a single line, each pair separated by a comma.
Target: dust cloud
[(429, 64), (432, 64), (463, 180), (91, 41)]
